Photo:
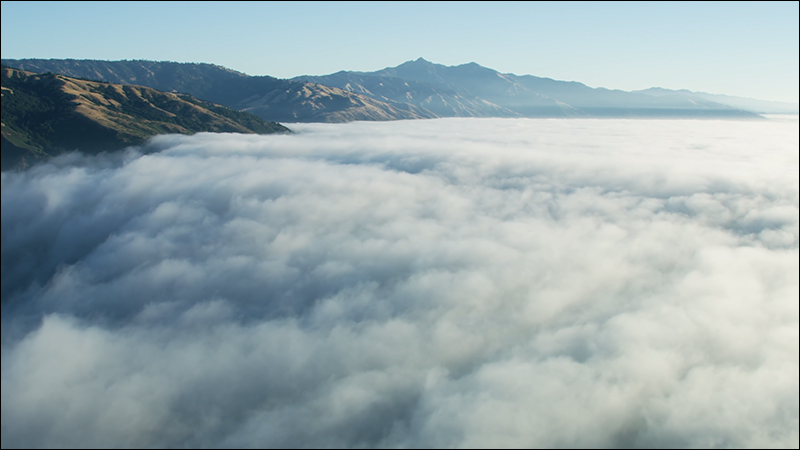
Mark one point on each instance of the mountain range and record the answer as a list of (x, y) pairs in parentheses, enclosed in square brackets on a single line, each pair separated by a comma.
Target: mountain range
[(413, 90), (477, 91), (750, 104), (54, 105), (267, 97), (47, 114)]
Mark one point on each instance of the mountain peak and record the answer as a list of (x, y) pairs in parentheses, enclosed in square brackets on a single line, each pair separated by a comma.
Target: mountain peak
[(416, 65), (419, 62)]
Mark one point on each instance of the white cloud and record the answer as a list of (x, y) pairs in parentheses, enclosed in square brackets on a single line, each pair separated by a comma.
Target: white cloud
[(448, 283)]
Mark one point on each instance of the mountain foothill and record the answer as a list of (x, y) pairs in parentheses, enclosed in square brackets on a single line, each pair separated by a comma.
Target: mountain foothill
[(45, 114), (56, 105)]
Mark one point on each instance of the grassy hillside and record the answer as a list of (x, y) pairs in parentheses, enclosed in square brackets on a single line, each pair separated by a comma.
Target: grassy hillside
[(267, 97), (47, 114)]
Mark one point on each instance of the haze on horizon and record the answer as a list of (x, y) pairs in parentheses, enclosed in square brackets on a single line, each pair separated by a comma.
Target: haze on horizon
[(747, 49)]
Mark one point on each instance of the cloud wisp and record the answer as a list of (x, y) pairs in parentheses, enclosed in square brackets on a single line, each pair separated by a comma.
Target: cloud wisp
[(442, 283)]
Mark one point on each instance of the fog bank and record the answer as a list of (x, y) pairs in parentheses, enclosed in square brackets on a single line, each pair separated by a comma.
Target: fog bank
[(440, 283)]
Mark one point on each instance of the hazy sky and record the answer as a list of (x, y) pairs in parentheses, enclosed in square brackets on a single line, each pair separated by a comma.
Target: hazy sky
[(738, 48)]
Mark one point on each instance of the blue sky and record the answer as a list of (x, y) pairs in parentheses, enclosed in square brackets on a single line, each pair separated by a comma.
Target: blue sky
[(737, 48)]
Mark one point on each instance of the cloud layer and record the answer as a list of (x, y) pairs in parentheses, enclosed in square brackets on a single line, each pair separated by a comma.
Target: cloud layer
[(446, 283)]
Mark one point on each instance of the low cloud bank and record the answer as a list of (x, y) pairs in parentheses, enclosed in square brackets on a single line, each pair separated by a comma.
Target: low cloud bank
[(441, 283)]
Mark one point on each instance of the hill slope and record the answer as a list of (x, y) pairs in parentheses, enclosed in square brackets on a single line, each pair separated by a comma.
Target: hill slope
[(412, 90), (264, 96), (46, 114), (473, 90)]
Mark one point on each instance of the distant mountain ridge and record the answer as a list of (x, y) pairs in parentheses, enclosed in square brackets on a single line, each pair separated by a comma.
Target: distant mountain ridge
[(267, 97), (413, 90), (451, 90), (441, 101), (46, 114), (750, 104)]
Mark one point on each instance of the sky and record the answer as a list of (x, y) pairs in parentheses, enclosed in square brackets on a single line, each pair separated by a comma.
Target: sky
[(745, 49), (448, 283)]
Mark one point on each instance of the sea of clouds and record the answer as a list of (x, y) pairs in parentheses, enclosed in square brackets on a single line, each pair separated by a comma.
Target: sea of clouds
[(439, 283)]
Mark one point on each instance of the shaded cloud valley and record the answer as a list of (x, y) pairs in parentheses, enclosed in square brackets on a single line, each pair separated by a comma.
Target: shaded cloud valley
[(440, 283)]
